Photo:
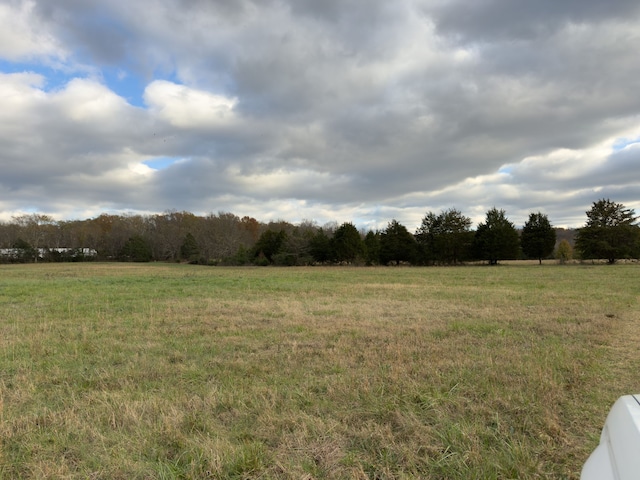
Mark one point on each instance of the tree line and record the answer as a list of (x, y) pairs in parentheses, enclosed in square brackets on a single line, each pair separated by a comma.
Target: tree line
[(611, 232)]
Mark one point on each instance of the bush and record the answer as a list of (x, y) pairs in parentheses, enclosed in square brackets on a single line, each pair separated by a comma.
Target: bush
[(137, 249), (564, 252)]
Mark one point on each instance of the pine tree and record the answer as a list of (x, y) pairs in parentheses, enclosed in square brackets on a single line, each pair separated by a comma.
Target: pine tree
[(611, 232), (496, 239), (538, 237)]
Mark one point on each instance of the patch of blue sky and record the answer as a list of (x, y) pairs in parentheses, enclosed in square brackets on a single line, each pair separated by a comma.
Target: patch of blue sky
[(160, 163), (125, 84), (107, 54), (130, 83), (506, 169), (122, 83), (622, 143), (54, 78)]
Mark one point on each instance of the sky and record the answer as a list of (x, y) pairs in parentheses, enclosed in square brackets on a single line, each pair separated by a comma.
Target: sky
[(356, 111)]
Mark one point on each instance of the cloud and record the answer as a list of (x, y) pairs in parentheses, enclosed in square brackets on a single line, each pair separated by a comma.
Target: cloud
[(185, 107), (23, 37), (66, 143), (319, 110), (488, 20)]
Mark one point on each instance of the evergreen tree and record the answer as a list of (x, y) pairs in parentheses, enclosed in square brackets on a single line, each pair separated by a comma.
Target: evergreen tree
[(189, 249), (136, 249), (397, 244), (347, 243), (496, 239), (269, 244), (427, 237), (372, 248), (320, 247), (445, 238), (611, 232), (24, 251), (538, 237)]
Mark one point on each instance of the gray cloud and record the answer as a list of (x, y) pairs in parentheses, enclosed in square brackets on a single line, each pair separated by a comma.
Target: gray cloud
[(306, 108), (488, 20)]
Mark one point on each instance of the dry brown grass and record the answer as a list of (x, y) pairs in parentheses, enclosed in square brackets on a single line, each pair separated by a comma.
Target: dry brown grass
[(174, 371)]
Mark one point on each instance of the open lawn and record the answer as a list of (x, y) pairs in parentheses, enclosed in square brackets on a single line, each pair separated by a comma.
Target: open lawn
[(141, 371)]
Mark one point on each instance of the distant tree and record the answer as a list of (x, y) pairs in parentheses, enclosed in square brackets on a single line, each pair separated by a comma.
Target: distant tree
[(269, 244), (111, 232), (25, 252), (445, 238), (568, 234), (136, 249), (189, 249), (35, 227), (243, 256), (167, 232), (611, 232), (320, 247), (347, 243), (564, 252), (70, 234), (330, 228), (496, 239), (221, 235), (372, 248), (538, 237), (397, 244), (252, 227), (427, 237), (296, 249)]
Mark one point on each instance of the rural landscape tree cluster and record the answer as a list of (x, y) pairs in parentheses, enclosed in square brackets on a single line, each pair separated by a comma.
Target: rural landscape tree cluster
[(444, 238)]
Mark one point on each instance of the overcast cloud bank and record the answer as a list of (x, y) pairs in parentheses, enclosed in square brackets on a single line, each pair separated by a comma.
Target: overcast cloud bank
[(350, 111)]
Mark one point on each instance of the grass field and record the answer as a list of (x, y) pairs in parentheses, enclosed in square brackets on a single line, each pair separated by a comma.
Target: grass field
[(141, 371)]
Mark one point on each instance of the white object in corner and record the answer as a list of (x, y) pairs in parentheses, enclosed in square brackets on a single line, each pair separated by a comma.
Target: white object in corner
[(618, 455)]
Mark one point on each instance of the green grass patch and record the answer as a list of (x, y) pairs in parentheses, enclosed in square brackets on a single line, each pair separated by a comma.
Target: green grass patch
[(178, 371)]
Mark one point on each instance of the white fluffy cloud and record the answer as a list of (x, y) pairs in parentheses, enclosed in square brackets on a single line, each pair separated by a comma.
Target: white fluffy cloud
[(186, 107), (23, 36)]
